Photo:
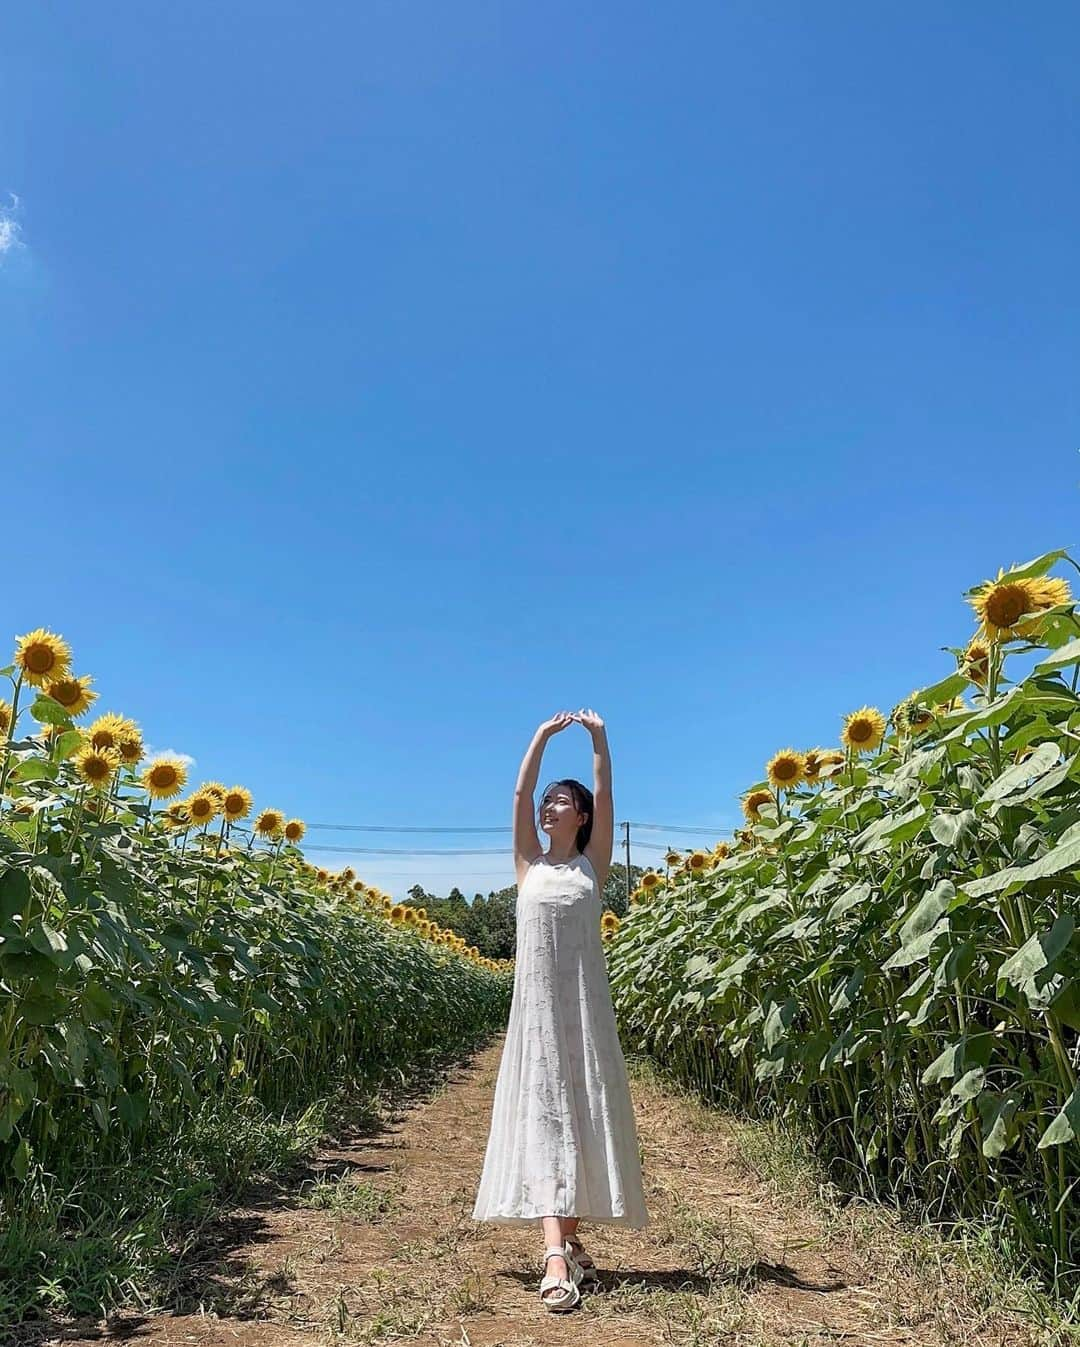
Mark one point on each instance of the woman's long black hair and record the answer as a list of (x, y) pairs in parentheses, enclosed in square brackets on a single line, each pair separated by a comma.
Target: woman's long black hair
[(582, 797)]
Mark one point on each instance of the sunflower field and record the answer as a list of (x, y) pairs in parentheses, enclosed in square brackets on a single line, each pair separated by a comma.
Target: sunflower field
[(166, 958), (887, 953)]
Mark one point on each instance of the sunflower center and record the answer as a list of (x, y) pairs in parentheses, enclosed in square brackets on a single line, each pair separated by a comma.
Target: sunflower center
[(233, 803), (97, 769), (860, 731), (67, 694), (1005, 604), (39, 658), (163, 775)]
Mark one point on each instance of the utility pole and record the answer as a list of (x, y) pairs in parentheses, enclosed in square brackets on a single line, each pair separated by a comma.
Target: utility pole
[(626, 825)]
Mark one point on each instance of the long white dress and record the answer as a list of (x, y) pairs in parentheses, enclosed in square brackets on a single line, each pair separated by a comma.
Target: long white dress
[(563, 1140)]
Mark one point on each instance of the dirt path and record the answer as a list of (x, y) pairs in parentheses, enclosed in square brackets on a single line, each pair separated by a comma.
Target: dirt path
[(389, 1251)]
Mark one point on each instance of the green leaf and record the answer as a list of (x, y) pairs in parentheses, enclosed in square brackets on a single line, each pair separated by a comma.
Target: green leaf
[(778, 1022), (1064, 856), (20, 1161), (948, 829), (35, 769), (856, 895), (1028, 571), (1039, 952), (14, 892), (996, 1114), (930, 907), (944, 691), (1067, 654), (969, 1085), (1020, 774), (1064, 1127), (47, 712), (917, 949), (946, 1064)]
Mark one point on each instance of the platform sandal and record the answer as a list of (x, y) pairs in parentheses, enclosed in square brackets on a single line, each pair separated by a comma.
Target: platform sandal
[(568, 1295), (589, 1274)]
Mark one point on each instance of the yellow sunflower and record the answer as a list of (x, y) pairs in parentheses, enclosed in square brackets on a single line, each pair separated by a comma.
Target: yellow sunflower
[(176, 815), (270, 823), (131, 747), (74, 694), (609, 922), (975, 662), (721, 851), (5, 716), (1000, 604), (863, 729), (95, 766), (673, 857), (696, 860), (829, 762), (202, 808), (650, 879), (42, 657), (237, 803), (786, 769), (812, 762), (752, 802), (294, 830), (216, 790), (107, 731), (164, 777), (322, 876)]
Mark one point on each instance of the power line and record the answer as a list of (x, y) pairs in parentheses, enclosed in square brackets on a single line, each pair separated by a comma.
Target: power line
[(381, 828), (677, 828)]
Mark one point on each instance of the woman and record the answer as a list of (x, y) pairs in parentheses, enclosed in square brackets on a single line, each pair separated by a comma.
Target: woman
[(563, 1145)]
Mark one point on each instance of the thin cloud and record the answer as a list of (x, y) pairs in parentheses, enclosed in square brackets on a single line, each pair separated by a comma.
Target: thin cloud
[(185, 758), (10, 228)]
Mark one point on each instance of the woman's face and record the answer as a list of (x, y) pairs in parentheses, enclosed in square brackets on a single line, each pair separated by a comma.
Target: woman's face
[(559, 816)]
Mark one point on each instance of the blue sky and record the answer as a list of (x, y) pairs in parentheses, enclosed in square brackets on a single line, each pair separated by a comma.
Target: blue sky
[(379, 379)]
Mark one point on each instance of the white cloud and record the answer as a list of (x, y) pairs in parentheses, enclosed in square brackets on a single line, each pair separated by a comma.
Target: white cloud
[(10, 229), (185, 758)]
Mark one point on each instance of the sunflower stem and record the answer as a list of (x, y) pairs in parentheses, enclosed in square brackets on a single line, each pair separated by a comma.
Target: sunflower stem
[(10, 732)]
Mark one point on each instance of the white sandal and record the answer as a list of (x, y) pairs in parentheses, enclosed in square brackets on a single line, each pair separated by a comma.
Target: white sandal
[(569, 1294), (589, 1274)]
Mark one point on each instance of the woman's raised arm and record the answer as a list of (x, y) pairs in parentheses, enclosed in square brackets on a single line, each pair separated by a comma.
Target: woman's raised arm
[(602, 837), (526, 843)]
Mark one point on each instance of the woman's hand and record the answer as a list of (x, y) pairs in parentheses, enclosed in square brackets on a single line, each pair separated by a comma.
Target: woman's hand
[(588, 717), (558, 722)]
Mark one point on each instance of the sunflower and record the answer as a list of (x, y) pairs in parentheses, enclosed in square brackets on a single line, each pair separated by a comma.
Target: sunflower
[(912, 716), (237, 803), (348, 873), (752, 802), (609, 923), (42, 657), (397, 912), (322, 876), (696, 860), (673, 857), (1000, 604), (829, 762), (294, 830), (73, 694), (786, 769), (202, 807), (164, 777), (975, 662), (95, 766), (216, 790), (863, 729), (721, 851), (270, 823), (5, 716), (650, 879), (812, 762), (108, 730), (130, 743), (176, 815)]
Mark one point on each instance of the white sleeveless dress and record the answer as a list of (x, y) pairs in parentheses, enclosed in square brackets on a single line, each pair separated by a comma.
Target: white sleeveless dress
[(562, 1140)]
